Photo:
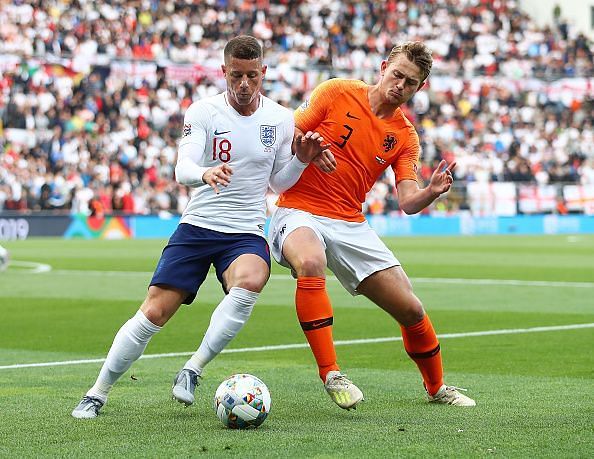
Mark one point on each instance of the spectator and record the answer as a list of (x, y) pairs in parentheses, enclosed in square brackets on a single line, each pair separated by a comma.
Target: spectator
[(492, 104)]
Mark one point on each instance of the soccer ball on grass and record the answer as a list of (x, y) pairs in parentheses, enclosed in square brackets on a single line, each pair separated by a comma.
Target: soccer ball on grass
[(4, 258), (242, 401)]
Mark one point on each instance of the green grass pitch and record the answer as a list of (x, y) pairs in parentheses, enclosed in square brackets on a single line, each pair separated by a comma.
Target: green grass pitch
[(533, 388)]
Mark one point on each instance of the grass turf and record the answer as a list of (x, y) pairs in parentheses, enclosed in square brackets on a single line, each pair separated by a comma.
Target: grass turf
[(533, 389)]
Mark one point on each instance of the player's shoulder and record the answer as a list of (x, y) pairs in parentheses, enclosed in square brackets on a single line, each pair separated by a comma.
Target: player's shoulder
[(405, 122), (337, 86), (207, 104), (408, 132), (276, 109)]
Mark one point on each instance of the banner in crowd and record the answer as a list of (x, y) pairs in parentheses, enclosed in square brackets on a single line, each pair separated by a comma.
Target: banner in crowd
[(534, 199), (496, 198), (564, 90), (134, 71), (192, 73), (579, 198)]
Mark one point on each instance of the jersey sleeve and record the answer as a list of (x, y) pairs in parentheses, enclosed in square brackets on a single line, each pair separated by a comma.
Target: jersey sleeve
[(284, 154), (287, 168), (406, 165), (190, 154), (313, 111), (196, 122)]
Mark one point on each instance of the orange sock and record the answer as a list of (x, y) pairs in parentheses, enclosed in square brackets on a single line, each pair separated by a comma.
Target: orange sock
[(315, 316), (422, 346)]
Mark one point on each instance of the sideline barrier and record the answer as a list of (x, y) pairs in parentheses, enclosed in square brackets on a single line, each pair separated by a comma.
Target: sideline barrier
[(145, 227), (465, 224)]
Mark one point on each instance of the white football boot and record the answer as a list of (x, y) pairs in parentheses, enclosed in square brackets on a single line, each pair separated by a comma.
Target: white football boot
[(449, 395), (88, 408), (184, 386), (342, 390)]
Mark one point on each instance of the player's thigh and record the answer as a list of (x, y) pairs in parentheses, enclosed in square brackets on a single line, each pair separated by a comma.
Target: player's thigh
[(245, 262), (355, 252), (391, 290), (297, 242)]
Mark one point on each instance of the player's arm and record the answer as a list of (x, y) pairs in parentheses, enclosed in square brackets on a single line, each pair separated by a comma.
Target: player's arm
[(188, 171), (287, 167), (311, 114), (413, 199), (190, 155), (324, 160)]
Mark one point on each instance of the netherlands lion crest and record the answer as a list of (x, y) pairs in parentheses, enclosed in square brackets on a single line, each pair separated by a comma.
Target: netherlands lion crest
[(267, 135)]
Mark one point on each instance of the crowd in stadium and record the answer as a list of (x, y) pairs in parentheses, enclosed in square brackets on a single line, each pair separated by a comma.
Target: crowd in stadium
[(507, 100)]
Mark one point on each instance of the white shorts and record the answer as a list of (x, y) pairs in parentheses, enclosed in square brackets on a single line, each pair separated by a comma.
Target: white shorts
[(353, 250)]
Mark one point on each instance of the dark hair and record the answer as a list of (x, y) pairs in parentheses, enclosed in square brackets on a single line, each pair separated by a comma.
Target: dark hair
[(416, 52), (243, 47)]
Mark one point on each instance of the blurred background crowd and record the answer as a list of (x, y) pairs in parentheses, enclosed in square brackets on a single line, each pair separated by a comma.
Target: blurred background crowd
[(92, 94)]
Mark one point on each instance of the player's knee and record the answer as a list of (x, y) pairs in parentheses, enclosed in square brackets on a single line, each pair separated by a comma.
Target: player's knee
[(254, 283), (160, 304), (413, 313), (310, 266), (154, 313)]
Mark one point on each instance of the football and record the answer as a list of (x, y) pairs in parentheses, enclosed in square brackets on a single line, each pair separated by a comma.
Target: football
[(4, 258), (242, 401)]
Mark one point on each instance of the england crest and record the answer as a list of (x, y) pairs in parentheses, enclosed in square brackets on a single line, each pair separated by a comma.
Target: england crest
[(267, 135)]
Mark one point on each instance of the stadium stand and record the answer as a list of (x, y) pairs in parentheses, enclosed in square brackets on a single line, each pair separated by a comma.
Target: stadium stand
[(92, 94)]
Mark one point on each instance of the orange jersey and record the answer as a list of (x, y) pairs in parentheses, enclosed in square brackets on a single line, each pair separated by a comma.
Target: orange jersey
[(363, 145)]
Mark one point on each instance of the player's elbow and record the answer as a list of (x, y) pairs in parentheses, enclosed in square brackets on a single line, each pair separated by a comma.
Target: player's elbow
[(188, 174), (180, 176), (409, 211), (278, 188), (408, 207)]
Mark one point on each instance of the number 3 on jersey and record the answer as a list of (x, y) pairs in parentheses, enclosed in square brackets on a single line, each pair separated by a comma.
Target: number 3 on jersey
[(221, 149)]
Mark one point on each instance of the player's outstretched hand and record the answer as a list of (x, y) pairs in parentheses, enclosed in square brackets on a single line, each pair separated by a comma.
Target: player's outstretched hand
[(311, 147), (442, 177), (218, 176)]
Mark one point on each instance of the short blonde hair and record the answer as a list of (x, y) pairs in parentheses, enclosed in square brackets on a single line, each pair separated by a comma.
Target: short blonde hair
[(416, 52)]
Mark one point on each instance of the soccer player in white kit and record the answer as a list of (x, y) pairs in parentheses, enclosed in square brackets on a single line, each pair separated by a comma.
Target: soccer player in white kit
[(234, 146)]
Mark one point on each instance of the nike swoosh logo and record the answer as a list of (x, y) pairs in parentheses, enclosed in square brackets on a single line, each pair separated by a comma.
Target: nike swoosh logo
[(221, 133), (352, 116), (315, 324)]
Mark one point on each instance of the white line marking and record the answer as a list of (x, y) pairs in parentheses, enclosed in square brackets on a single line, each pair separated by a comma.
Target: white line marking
[(282, 347), (418, 280), (513, 282), (29, 267)]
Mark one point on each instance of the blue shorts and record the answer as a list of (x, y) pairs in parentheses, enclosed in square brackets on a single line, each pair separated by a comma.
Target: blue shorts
[(191, 251)]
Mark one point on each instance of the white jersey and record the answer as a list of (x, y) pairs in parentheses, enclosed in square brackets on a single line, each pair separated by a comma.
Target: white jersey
[(255, 147)]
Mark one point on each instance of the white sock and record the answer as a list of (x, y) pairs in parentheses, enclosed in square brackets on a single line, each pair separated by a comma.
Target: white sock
[(227, 319), (128, 345)]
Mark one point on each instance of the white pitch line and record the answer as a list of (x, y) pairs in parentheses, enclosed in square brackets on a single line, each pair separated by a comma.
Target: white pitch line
[(513, 282), (282, 347), (30, 267), (419, 280)]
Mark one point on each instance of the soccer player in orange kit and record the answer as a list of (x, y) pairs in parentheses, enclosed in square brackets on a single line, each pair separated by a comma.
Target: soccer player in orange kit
[(319, 222)]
